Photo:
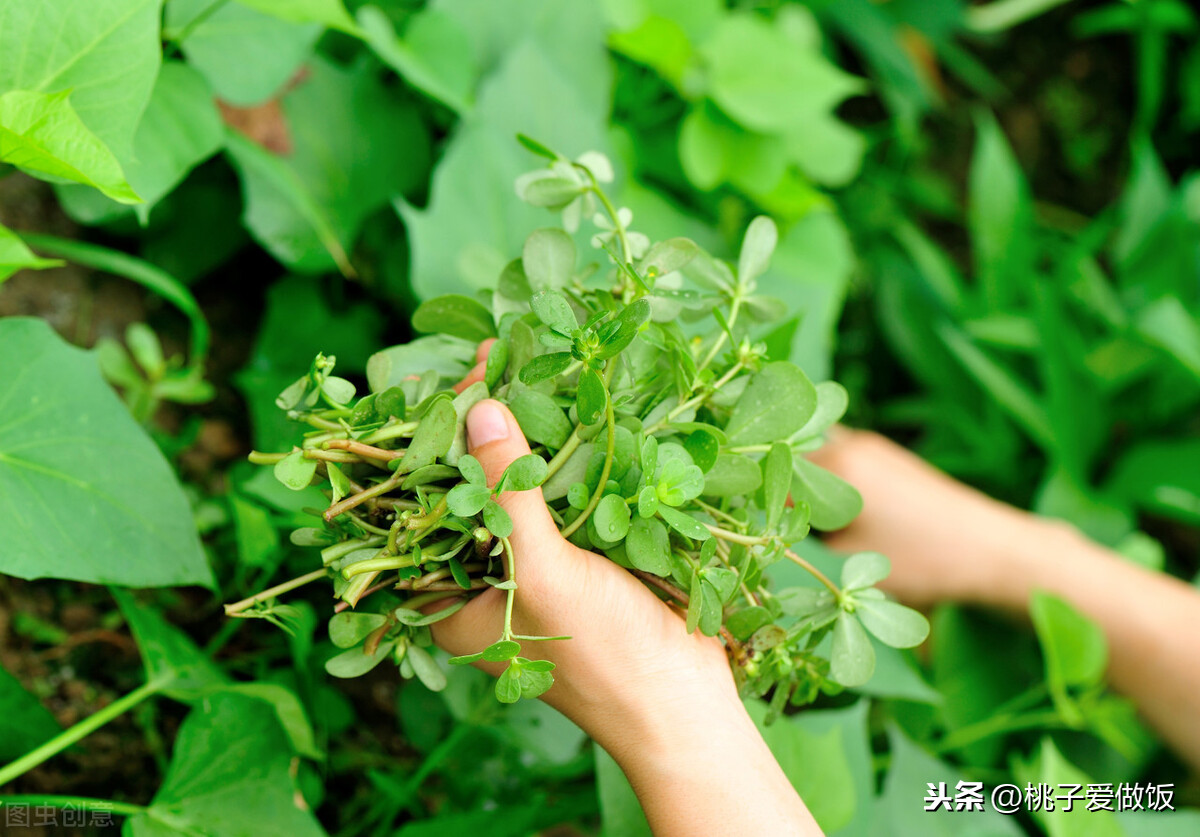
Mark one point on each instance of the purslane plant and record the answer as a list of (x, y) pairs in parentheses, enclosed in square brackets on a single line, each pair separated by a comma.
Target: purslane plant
[(664, 437)]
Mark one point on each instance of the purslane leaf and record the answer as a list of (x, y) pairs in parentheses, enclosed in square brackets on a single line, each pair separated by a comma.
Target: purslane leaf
[(553, 309), (544, 367), (549, 259), (524, 472), (592, 397), (467, 500), (864, 569), (852, 659), (778, 401), (456, 315), (894, 624)]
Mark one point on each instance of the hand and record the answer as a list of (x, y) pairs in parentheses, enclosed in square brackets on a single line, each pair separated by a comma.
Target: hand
[(950, 542), (662, 702), (626, 646), (946, 540)]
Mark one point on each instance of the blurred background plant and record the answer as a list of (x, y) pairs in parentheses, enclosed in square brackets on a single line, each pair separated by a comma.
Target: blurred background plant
[(990, 221)]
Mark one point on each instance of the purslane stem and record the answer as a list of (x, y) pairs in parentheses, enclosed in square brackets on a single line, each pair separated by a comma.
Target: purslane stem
[(817, 574), (512, 576), (737, 537), (78, 732), (696, 400), (734, 307), (394, 431), (564, 453), (618, 227), (376, 565), (271, 592), (361, 497), (611, 420)]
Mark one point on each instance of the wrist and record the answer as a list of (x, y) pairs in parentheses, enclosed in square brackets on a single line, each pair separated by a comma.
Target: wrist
[(1035, 553), (630, 711)]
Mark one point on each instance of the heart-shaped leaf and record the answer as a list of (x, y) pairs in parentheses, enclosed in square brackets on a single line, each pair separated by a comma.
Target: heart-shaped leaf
[(103, 507)]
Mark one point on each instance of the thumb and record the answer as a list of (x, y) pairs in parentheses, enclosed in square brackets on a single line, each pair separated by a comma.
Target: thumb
[(495, 439)]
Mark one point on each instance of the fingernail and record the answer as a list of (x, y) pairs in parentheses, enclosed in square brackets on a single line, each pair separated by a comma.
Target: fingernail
[(486, 423)]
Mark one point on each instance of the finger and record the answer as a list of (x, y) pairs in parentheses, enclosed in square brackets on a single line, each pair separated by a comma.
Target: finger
[(482, 350), (479, 370), (465, 631), (474, 376), (495, 439)]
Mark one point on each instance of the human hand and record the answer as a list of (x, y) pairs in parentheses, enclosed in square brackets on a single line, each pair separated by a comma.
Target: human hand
[(946, 541), (630, 660), (627, 649), (661, 701)]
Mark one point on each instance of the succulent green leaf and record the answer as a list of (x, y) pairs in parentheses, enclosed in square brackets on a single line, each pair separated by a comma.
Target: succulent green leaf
[(743, 623), (535, 682), (542, 421), (757, 247), (497, 520), (832, 401), (647, 546), (852, 659), (648, 501), (591, 398), (626, 328), (467, 500), (355, 662), (778, 401), (723, 580), (497, 364), (684, 523), (471, 470), (704, 448), (892, 623), (508, 684), (553, 309), (339, 390), (456, 315), (524, 472), (426, 668), (549, 192), (734, 475), (777, 481), (433, 438), (548, 259), (832, 501), (349, 629), (544, 367), (612, 517), (865, 569)]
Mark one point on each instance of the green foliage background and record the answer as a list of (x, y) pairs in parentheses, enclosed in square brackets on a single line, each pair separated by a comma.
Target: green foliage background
[(990, 223)]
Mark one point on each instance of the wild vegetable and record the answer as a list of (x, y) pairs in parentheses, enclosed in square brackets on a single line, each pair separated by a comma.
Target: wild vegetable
[(664, 437)]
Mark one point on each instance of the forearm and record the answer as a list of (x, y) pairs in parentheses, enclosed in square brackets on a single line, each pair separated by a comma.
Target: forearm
[(701, 767), (1151, 621)]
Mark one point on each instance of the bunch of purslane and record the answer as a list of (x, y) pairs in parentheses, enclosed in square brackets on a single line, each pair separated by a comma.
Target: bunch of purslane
[(663, 437)]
